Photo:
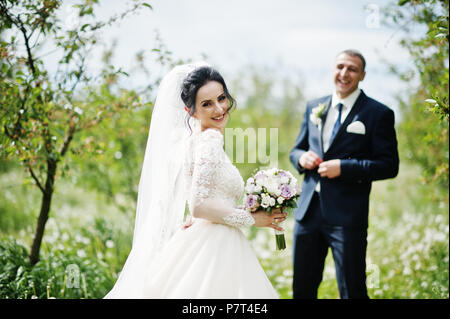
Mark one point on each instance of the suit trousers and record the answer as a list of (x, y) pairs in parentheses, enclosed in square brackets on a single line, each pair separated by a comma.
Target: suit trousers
[(312, 238)]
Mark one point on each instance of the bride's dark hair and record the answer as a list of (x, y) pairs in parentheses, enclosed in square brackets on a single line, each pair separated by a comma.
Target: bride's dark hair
[(194, 81)]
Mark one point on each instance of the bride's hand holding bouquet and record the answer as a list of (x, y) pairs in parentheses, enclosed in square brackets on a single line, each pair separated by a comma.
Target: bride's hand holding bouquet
[(272, 193)]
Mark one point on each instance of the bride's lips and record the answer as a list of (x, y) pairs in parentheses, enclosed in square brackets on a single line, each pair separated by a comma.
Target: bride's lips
[(219, 118)]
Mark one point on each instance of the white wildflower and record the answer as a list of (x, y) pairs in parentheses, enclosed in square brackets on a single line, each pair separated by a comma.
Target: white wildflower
[(438, 219), (433, 268), (407, 271), (109, 243), (418, 266), (391, 273), (85, 240), (415, 235), (78, 110)]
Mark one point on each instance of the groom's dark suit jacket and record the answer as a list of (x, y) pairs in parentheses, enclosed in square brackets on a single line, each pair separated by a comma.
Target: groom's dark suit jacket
[(364, 158)]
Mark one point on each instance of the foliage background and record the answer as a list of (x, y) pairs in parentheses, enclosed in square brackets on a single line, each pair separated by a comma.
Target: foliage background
[(88, 234)]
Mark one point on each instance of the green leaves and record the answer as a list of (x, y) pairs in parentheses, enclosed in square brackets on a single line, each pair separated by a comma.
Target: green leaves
[(40, 115), (147, 5), (43, 112), (425, 126)]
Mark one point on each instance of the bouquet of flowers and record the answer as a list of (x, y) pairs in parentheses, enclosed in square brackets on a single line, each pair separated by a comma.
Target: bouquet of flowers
[(270, 189)]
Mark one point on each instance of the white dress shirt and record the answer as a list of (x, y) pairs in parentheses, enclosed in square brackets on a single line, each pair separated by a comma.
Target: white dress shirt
[(333, 113), (332, 116)]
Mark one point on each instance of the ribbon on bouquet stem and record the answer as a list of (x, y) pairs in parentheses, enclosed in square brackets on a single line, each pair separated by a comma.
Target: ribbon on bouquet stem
[(279, 237)]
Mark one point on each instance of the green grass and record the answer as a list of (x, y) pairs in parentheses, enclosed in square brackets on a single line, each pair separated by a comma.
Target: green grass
[(87, 241), (408, 251)]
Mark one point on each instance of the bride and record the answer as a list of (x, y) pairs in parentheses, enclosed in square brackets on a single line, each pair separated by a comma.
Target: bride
[(208, 256)]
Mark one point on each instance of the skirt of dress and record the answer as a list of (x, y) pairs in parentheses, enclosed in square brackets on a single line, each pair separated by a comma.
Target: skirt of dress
[(208, 261)]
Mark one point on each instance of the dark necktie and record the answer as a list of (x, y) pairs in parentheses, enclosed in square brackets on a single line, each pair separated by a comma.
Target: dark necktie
[(337, 124)]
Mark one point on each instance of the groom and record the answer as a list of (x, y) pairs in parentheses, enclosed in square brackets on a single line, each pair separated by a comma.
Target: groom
[(346, 141)]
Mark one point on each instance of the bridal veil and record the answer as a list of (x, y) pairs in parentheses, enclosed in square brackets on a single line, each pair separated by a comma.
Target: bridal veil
[(162, 188)]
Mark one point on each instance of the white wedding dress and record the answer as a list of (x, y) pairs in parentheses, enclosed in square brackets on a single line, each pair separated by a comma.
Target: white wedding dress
[(212, 258)]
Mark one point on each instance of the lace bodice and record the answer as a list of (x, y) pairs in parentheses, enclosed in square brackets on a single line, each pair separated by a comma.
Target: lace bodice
[(215, 183)]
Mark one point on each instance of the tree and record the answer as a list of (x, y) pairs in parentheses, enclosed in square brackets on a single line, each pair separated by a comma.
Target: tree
[(41, 111), (424, 128)]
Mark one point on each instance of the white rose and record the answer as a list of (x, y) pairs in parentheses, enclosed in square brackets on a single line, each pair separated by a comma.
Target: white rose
[(264, 204), (272, 201), (265, 200), (292, 183), (284, 180), (277, 192), (280, 200), (273, 178), (274, 189), (250, 188), (260, 182)]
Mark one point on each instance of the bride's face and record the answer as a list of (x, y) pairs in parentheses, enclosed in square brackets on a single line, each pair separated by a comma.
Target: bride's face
[(211, 106)]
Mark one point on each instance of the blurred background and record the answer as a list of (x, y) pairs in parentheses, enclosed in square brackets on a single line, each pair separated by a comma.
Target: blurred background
[(77, 85)]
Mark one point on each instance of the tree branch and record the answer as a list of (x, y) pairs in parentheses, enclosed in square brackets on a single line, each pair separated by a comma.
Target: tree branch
[(7, 132), (81, 71), (68, 139), (4, 11), (36, 179), (27, 46)]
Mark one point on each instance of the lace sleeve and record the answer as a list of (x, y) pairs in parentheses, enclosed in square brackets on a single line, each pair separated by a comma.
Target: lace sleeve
[(239, 218), (208, 157), (206, 163)]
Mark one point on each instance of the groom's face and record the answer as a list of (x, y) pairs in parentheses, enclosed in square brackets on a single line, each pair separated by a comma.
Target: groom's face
[(348, 72)]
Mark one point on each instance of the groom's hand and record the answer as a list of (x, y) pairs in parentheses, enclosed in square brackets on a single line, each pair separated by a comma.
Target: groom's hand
[(330, 169), (309, 160)]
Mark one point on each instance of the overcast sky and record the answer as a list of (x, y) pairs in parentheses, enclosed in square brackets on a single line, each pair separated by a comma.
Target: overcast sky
[(291, 36)]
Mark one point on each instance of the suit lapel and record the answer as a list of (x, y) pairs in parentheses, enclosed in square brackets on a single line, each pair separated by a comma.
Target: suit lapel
[(355, 109), (323, 118)]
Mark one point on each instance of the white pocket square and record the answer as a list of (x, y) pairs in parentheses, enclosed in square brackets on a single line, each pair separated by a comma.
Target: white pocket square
[(356, 127)]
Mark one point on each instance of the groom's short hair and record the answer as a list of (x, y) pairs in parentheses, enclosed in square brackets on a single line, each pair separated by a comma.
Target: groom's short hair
[(353, 52)]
